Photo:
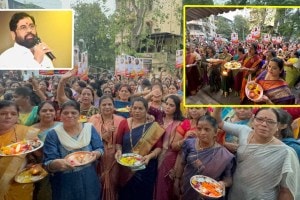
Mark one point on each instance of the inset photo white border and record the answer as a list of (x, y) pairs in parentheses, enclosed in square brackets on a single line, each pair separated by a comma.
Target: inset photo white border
[(54, 29)]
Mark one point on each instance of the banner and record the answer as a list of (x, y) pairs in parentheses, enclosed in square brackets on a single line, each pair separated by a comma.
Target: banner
[(129, 66), (266, 38), (274, 39), (255, 32), (234, 38), (46, 72), (120, 65), (179, 59), (270, 17), (52, 72), (129, 70), (249, 38)]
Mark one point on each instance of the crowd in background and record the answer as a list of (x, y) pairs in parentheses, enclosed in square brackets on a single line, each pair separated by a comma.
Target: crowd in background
[(176, 143), (275, 67)]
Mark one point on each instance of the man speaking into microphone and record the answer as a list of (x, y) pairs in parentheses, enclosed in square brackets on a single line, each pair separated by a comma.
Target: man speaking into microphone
[(28, 51)]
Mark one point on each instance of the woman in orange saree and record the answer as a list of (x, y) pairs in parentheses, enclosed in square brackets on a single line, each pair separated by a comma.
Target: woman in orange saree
[(106, 124), (249, 67), (11, 132)]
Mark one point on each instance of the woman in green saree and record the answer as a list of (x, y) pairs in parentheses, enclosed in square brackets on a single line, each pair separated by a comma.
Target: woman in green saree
[(23, 97)]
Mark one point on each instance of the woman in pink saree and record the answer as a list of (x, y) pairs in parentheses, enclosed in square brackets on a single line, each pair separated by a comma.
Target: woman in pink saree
[(167, 158), (107, 123)]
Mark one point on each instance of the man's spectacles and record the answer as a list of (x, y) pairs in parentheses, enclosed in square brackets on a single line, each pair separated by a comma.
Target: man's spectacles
[(269, 122), (25, 28)]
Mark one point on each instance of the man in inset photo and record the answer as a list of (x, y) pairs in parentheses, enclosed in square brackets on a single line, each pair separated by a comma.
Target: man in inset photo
[(28, 51)]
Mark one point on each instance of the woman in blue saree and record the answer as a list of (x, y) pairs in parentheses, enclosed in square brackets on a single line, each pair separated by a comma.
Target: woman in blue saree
[(202, 155), (69, 182), (136, 135)]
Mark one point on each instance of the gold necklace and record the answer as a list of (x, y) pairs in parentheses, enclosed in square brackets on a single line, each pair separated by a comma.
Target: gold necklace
[(130, 133), (203, 148), (252, 137), (259, 147)]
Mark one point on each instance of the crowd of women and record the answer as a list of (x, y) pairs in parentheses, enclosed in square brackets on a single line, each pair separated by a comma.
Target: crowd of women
[(252, 153), (275, 67)]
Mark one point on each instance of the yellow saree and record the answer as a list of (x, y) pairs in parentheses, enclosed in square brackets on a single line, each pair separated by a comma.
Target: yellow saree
[(10, 166)]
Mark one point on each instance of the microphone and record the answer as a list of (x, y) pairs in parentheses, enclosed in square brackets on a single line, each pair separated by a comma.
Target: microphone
[(49, 54)]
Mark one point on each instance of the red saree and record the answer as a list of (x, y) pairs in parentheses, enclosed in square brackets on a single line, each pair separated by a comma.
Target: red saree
[(250, 62), (192, 74)]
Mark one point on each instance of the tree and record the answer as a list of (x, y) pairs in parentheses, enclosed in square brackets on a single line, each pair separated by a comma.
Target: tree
[(241, 26), (264, 2), (93, 27), (289, 23), (198, 2), (223, 27), (134, 21)]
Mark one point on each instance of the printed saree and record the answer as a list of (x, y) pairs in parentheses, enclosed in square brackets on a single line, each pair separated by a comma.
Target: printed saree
[(250, 62), (140, 184), (277, 90), (215, 162), (11, 165)]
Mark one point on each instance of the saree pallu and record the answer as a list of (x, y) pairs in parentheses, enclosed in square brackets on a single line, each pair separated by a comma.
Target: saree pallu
[(292, 73), (215, 162), (261, 169), (276, 90), (250, 63), (140, 184), (166, 162), (11, 165), (107, 168), (29, 119)]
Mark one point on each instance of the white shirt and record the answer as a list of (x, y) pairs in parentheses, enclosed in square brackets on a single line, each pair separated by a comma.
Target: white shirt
[(21, 58)]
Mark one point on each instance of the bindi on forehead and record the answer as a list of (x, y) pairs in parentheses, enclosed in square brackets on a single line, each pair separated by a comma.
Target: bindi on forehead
[(25, 21)]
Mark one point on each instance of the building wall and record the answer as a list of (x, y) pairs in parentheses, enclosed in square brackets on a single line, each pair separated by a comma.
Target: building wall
[(171, 23)]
